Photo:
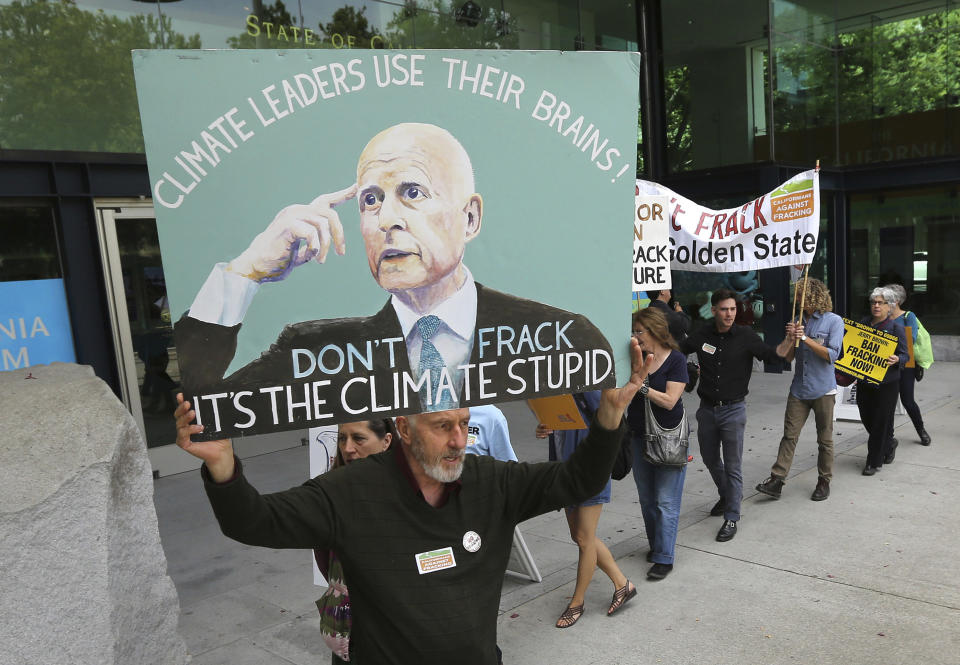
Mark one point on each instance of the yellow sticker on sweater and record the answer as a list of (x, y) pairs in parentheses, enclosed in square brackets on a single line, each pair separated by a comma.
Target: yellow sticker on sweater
[(431, 562)]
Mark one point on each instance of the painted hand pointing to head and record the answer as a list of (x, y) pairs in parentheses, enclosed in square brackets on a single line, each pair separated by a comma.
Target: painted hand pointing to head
[(298, 234)]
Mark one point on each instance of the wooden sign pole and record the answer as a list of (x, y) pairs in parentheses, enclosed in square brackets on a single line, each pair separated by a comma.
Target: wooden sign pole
[(803, 297)]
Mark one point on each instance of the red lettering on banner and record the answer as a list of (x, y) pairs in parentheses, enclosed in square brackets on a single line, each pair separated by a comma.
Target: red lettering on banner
[(700, 224), (717, 226), (758, 218), (676, 213), (732, 224), (743, 219)]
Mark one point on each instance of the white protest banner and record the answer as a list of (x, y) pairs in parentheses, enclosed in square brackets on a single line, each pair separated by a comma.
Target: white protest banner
[(651, 243), (779, 228)]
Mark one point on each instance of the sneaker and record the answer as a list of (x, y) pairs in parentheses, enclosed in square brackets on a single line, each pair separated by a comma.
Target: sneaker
[(822, 491), (659, 570), (771, 487), (718, 508), (727, 531)]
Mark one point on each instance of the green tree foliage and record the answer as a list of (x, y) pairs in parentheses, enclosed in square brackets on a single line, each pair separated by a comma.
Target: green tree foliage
[(435, 25), (677, 103), (880, 70), (348, 21), (66, 76)]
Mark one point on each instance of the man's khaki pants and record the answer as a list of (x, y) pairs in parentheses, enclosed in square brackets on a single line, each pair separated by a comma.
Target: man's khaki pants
[(793, 420)]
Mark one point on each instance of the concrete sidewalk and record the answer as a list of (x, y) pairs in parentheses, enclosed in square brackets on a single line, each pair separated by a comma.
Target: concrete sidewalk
[(869, 576)]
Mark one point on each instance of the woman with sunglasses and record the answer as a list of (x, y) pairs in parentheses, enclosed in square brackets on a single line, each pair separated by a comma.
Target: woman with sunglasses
[(876, 402), (660, 488)]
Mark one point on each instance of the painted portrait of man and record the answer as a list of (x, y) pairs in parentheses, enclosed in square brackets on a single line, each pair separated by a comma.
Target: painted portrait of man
[(442, 340)]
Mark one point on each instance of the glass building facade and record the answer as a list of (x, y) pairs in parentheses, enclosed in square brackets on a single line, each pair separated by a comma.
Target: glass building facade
[(736, 97), (846, 83), (66, 74)]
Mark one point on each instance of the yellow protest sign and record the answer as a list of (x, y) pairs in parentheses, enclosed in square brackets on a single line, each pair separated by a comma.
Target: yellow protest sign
[(865, 351)]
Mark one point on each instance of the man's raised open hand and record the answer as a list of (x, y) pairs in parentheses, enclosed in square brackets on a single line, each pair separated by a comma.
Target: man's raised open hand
[(299, 233)]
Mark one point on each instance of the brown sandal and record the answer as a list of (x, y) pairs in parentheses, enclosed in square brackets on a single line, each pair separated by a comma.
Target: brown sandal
[(621, 596), (570, 616)]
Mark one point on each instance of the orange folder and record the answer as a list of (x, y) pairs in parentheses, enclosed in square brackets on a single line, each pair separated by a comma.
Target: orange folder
[(557, 412)]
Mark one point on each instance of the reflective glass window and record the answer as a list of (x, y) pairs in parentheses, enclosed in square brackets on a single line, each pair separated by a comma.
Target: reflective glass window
[(908, 237), (66, 75), (865, 82), (714, 63), (29, 248)]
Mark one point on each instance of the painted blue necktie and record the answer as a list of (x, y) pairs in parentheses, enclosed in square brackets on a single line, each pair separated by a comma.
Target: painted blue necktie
[(430, 359)]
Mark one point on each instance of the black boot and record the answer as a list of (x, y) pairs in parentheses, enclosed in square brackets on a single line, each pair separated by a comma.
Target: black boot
[(727, 531), (892, 453), (822, 491), (718, 508), (771, 487), (925, 438)]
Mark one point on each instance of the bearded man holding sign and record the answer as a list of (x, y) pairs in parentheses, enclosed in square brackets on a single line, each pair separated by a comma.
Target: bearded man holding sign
[(424, 532)]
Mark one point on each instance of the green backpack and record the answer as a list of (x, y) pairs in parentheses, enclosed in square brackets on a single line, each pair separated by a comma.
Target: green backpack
[(922, 347)]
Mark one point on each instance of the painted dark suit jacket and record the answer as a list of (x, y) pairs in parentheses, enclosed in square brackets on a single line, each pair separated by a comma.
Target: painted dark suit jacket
[(206, 350)]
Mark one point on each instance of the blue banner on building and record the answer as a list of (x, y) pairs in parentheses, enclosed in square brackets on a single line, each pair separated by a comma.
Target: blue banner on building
[(34, 324)]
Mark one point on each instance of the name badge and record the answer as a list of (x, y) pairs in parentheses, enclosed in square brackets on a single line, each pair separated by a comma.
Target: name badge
[(709, 348), (431, 562)]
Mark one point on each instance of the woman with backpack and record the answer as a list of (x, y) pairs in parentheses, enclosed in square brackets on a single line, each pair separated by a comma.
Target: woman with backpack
[(910, 374)]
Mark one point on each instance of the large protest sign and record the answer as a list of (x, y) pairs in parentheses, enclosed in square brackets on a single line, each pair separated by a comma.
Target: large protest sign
[(651, 243), (357, 233), (865, 351), (779, 228)]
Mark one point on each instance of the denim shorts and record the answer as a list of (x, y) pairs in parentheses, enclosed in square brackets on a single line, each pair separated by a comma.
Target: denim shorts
[(568, 442)]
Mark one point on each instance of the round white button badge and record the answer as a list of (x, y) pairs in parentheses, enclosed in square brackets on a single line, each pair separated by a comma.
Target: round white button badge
[(471, 541)]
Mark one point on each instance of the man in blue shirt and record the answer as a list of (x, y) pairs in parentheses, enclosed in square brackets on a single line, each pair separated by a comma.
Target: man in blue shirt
[(489, 434), (814, 388)]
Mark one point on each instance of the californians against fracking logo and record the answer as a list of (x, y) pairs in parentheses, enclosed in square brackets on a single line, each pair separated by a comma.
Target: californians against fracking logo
[(794, 200)]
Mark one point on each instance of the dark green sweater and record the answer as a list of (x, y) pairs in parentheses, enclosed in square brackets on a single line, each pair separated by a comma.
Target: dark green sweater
[(370, 515)]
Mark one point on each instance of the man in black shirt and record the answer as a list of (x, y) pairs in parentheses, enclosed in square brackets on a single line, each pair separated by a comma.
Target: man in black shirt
[(726, 352)]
